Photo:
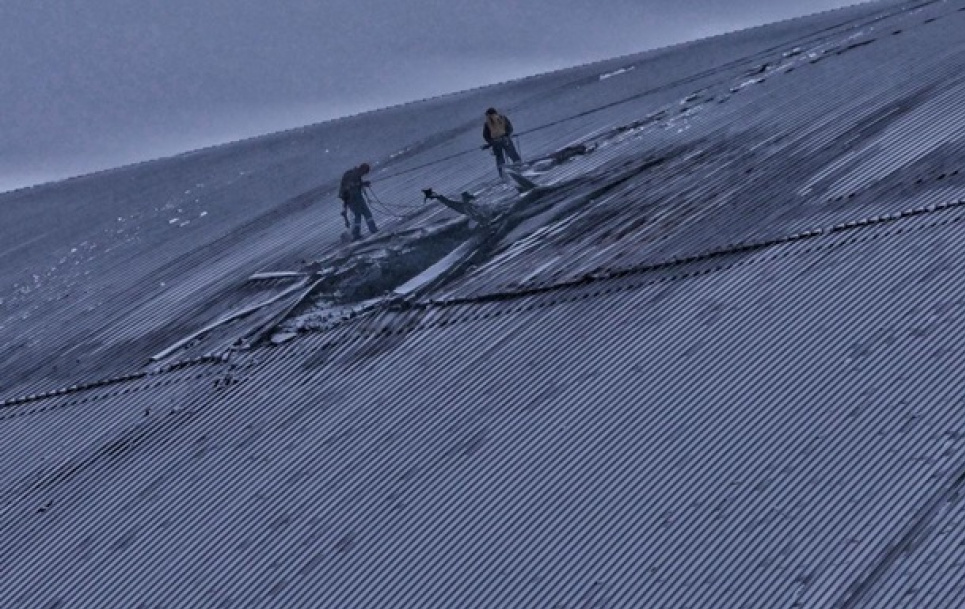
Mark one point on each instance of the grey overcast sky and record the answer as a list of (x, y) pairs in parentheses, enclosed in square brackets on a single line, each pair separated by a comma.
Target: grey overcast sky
[(91, 84)]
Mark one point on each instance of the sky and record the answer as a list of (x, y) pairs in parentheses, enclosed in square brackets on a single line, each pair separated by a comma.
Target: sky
[(94, 84)]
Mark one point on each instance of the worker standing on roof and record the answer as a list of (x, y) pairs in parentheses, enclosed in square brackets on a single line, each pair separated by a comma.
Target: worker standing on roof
[(353, 199), (498, 133)]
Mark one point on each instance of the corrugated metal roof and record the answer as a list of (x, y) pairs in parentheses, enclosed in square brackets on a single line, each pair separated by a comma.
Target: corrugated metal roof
[(639, 443), (750, 399), (144, 253)]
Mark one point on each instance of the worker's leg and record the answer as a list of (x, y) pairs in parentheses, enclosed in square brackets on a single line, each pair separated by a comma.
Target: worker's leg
[(369, 220), (500, 158), (356, 210), (511, 149)]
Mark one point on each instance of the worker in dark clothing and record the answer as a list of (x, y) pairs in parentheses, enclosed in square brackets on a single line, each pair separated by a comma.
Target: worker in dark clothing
[(350, 192), (498, 132)]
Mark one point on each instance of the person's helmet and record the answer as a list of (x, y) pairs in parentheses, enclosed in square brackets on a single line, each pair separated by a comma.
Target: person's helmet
[(364, 167), (491, 111)]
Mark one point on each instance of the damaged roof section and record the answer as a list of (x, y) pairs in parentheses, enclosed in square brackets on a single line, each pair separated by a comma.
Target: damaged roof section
[(701, 351)]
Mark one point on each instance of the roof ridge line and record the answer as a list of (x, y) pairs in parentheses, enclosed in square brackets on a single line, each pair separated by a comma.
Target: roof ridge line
[(115, 380)]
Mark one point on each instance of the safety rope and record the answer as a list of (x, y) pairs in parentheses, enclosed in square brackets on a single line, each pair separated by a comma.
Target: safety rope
[(396, 211)]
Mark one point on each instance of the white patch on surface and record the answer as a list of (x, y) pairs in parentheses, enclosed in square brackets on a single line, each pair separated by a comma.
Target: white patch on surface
[(616, 73), (747, 83), (282, 337)]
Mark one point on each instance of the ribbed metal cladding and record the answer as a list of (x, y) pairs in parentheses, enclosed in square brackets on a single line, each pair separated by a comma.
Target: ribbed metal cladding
[(605, 477), (751, 399), (145, 255)]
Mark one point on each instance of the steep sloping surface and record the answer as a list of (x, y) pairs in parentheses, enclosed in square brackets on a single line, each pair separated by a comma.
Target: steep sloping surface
[(100, 273), (711, 360)]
